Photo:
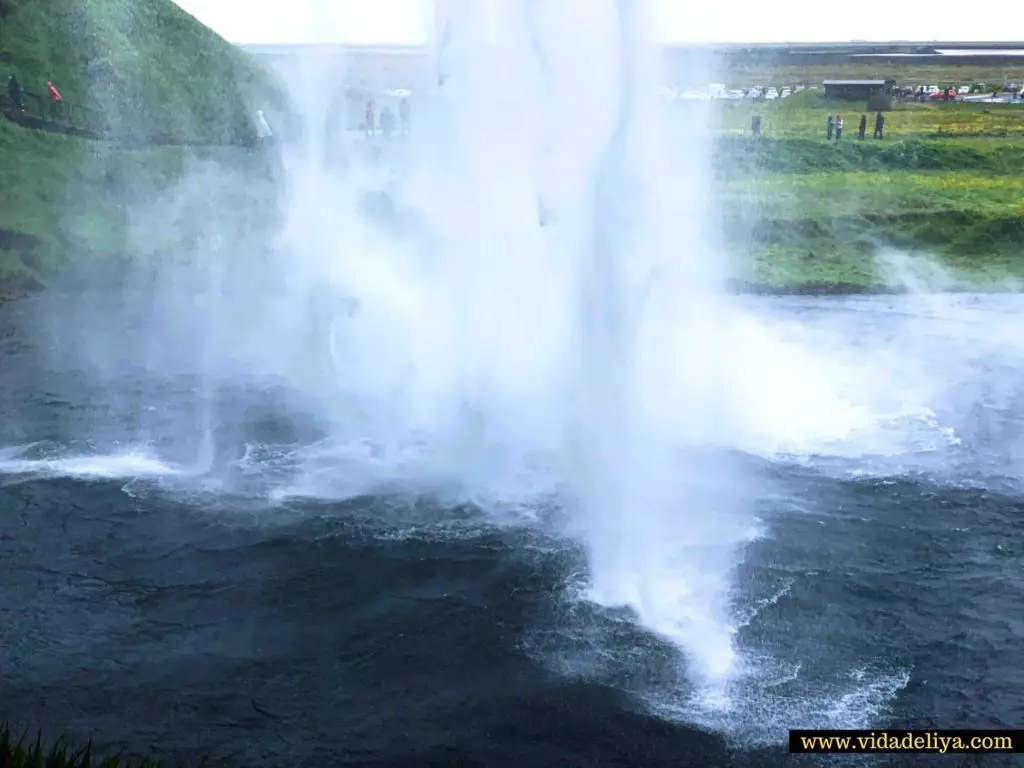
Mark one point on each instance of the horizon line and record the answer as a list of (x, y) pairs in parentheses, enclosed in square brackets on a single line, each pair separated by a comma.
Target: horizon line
[(1007, 44)]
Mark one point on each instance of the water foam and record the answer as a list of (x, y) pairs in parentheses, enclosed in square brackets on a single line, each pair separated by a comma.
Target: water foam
[(129, 463)]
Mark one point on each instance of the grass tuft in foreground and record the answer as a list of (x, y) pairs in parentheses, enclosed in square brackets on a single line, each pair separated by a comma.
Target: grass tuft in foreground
[(16, 753)]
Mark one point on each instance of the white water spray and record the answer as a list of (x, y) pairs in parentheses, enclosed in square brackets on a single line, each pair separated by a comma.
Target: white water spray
[(502, 350), (537, 317), (648, 297)]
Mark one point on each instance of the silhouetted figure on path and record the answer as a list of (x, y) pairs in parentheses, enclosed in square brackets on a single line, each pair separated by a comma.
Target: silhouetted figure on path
[(839, 127), (755, 125), (829, 125), (862, 127), (879, 126), (370, 123), (55, 100), (403, 115), (16, 92), (387, 122)]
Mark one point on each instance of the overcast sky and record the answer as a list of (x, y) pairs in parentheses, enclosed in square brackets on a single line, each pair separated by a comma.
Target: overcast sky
[(408, 21)]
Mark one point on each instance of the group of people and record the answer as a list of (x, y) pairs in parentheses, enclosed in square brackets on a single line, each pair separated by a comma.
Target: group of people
[(16, 93), (835, 126), (387, 119)]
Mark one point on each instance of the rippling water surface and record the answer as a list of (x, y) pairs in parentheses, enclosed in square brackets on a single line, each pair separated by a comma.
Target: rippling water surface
[(188, 592)]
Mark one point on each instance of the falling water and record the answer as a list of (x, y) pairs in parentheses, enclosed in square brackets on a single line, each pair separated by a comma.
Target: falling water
[(583, 340), (536, 316)]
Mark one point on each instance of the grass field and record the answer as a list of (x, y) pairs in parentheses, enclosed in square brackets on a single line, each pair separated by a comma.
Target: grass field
[(946, 183), (804, 115)]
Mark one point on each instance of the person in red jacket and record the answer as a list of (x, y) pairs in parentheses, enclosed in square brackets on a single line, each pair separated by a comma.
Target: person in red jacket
[(55, 99)]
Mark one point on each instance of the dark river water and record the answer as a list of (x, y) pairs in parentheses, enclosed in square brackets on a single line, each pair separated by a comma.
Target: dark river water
[(159, 592)]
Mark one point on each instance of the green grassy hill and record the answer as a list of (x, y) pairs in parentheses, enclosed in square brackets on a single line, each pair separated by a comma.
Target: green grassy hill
[(137, 70), (142, 67)]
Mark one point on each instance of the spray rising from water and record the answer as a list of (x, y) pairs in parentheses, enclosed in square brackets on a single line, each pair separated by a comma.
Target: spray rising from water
[(496, 351), (536, 315)]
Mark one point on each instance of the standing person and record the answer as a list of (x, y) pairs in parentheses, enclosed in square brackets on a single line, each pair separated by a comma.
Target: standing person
[(879, 125), (403, 115), (829, 125), (16, 92), (387, 122), (370, 122), (55, 99), (839, 127), (863, 126)]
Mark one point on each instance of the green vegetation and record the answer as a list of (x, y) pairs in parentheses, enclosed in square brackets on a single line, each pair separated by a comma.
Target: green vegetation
[(16, 753), (140, 70), (84, 200), (136, 67), (804, 115), (946, 183)]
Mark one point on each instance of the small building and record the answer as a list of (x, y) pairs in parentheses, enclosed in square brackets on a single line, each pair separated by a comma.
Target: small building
[(856, 90)]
